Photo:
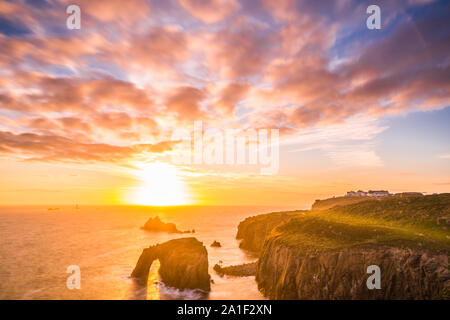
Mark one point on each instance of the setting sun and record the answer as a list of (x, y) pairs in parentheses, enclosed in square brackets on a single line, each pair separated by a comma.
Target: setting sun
[(162, 185)]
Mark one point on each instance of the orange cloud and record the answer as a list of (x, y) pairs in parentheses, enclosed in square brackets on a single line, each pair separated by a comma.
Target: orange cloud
[(116, 11), (231, 95), (210, 11), (74, 94), (56, 148), (185, 101)]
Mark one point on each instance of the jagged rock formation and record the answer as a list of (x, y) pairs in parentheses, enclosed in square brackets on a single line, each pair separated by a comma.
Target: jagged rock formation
[(216, 244), (183, 264), (242, 270), (253, 230), (156, 225), (285, 272)]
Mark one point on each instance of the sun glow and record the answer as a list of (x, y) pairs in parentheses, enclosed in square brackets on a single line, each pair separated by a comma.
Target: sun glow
[(162, 185)]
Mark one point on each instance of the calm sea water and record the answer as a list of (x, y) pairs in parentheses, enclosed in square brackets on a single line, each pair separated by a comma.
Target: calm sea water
[(37, 245)]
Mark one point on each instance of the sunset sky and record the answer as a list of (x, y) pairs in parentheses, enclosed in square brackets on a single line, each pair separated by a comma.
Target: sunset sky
[(87, 116)]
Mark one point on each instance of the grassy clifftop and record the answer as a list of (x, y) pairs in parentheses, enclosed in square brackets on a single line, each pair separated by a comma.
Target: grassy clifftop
[(321, 233), (423, 220), (418, 210), (414, 221), (336, 201), (428, 216)]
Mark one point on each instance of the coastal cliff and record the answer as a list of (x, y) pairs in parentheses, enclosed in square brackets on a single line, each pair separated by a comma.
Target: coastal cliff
[(324, 254), (253, 230), (183, 264), (297, 263)]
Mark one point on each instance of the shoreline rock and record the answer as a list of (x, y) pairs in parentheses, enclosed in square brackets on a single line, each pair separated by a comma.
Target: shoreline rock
[(184, 264), (242, 270)]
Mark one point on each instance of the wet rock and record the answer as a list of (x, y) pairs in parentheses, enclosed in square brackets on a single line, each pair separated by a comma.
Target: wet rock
[(242, 270)]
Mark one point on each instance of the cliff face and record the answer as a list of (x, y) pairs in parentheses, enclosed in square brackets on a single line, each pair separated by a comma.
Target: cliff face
[(285, 272), (253, 230), (183, 264)]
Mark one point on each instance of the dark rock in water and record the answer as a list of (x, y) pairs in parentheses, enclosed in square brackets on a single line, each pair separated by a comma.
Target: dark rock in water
[(184, 264), (242, 270), (216, 244), (155, 224)]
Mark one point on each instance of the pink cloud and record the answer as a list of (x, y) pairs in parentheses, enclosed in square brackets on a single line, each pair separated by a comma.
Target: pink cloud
[(210, 11), (75, 94), (114, 11), (133, 72), (31, 146), (185, 101), (231, 95)]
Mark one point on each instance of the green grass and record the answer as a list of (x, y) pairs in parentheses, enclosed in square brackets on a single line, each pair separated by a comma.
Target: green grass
[(319, 233), (409, 222), (418, 215), (337, 201)]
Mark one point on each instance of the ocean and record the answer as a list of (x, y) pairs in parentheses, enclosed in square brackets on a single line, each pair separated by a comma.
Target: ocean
[(37, 245)]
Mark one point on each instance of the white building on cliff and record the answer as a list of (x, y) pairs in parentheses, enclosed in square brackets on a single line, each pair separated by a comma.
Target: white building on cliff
[(371, 193), (358, 193)]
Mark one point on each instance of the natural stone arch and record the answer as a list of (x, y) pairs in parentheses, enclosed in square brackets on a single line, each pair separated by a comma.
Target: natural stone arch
[(183, 263)]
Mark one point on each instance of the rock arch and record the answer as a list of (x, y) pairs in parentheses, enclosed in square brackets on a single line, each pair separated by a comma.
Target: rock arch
[(183, 263)]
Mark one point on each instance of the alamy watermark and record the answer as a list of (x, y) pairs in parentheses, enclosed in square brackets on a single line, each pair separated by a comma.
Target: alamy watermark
[(374, 20), (73, 21), (229, 147), (374, 281), (74, 280)]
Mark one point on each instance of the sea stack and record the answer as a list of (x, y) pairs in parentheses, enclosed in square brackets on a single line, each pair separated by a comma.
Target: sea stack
[(216, 244), (156, 225), (184, 264)]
